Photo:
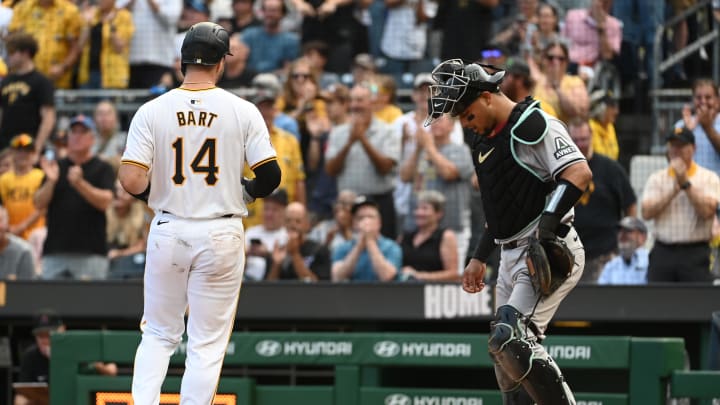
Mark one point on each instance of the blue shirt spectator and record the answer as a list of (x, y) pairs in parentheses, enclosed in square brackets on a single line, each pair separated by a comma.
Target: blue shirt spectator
[(703, 115), (631, 264), (270, 47), (363, 268), (369, 256), (618, 271), (288, 124)]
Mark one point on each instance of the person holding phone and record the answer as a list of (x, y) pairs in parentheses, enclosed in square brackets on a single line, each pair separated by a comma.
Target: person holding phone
[(266, 237)]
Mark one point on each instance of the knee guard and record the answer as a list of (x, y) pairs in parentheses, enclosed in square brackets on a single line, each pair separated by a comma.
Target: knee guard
[(525, 361)]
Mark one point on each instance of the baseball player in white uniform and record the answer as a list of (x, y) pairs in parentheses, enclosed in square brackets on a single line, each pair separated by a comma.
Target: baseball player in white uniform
[(191, 144)]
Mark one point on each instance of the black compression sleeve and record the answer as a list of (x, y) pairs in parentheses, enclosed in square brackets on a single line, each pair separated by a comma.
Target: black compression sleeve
[(564, 197), (484, 247), (267, 178)]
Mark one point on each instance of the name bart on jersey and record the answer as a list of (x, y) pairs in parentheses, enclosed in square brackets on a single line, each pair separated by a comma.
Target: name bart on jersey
[(201, 118)]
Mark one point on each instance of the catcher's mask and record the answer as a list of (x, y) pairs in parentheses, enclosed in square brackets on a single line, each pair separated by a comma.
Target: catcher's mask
[(459, 85)]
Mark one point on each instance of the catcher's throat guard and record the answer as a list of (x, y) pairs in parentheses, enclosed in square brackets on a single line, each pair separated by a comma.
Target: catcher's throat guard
[(550, 263)]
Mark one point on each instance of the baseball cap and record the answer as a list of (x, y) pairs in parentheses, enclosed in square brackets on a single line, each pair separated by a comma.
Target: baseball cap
[(47, 322), (84, 120), (267, 81), (423, 79), (365, 61), (263, 94), (632, 224), (603, 96), (681, 134), (197, 5), (362, 201), (22, 141), (517, 66), (278, 196)]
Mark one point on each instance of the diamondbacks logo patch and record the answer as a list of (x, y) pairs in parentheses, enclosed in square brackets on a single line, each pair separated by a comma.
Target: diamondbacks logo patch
[(562, 148)]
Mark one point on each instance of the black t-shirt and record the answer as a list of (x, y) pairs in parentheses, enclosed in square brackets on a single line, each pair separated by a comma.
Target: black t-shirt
[(95, 46), (34, 366), (425, 257), (21, 97), (316, 257), (242, 80), (466, 26), (603, 206), (73, 225), (240, 28)]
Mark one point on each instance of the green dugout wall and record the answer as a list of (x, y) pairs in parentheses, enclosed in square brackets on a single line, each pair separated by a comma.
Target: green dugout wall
[(649, 363)]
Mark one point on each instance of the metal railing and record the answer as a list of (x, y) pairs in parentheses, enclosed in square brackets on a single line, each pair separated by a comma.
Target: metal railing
[(667, 104)]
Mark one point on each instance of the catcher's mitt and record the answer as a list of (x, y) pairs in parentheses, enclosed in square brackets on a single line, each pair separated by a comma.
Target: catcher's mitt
[(550, 263)]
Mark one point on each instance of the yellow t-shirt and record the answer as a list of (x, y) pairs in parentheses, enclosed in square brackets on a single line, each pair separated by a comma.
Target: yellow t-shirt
[(604, 139), (17, 194), (389, 113), (290, 160), (56, 29), (3, 68), (114, 66), (545, 106), (551, 100)]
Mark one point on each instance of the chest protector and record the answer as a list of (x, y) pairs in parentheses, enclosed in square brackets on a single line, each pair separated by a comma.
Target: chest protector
[(513, 195)]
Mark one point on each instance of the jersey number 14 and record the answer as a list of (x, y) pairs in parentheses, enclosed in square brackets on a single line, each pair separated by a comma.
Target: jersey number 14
[(197, 165)]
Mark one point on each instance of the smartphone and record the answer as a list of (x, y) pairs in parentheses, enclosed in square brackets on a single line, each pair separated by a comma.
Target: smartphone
[(255, 242), (49, 154)]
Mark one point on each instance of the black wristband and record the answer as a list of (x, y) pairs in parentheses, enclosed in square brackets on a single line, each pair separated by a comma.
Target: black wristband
[(485, 247), (564, 197), (144, 195)]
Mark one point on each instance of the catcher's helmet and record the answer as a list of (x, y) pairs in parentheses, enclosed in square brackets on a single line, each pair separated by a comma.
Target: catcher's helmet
[(205, 43), (459, 85)]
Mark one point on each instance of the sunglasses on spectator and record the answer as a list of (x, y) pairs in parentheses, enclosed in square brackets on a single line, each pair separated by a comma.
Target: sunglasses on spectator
[(558, 58), (300, 76)]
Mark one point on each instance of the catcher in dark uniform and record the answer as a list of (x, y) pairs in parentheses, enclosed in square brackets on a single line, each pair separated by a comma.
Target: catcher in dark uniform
[(531, 175)]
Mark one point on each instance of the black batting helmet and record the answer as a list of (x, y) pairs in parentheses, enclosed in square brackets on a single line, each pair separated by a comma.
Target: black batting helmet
[(205, 43)]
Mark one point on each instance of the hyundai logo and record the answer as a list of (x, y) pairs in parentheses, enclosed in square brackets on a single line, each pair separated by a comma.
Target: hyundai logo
[(268, 348), (398, 399), (386, 348)]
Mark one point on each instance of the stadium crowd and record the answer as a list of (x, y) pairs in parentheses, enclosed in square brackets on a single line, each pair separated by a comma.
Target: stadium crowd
[(368, 192)]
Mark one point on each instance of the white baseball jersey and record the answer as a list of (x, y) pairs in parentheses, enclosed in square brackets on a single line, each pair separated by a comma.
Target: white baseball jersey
[(195, 145)]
